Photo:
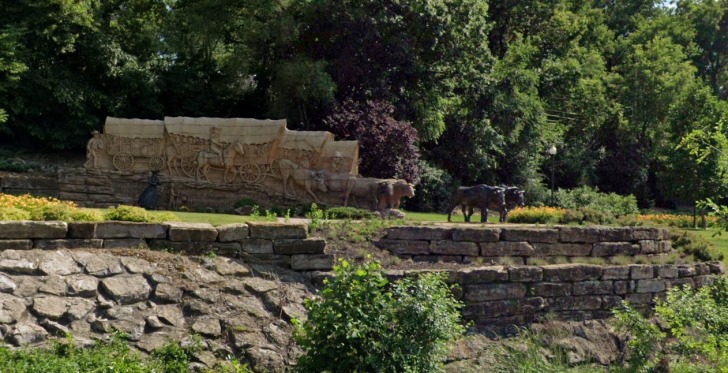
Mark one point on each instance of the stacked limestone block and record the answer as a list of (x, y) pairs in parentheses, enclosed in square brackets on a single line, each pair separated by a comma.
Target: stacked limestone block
[(497, 296), (468, 244), (286, 245)]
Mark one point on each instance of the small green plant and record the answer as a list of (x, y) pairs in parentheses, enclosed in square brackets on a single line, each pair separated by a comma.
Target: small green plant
[(288, 215), (317, 216), (255, 211), (270, 215), (360, 324)]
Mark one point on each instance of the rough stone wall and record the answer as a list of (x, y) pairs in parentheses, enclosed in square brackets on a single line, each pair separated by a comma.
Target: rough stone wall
[(520, 243), (238, 309), (285, 245), (36, 185), (498, 296)]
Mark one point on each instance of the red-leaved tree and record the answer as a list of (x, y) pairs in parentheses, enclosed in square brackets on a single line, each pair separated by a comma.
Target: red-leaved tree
[(387, 146)]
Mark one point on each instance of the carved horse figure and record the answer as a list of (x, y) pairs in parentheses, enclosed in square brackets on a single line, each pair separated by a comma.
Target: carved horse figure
[(207, 159), (481, 196), (303, 177)]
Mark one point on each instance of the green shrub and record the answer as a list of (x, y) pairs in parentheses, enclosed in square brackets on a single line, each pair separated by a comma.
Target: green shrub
[(591, 198), (138, 214), (692, 244), (245, 202), (697, 325), (52, 212), (432, 192), (86, 215), (128, 213), (12, 213), (349, 213), (358, 325)]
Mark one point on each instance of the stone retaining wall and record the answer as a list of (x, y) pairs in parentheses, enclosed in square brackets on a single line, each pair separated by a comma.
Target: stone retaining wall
[(467, 244), (285, 245), (498, 296)]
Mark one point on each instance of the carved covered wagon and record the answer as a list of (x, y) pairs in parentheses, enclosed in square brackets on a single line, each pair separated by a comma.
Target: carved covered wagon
[(134, 144)]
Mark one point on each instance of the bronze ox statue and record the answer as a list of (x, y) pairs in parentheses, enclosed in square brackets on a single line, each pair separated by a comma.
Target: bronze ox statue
[(514, 198), (380, 194), (481, 196)]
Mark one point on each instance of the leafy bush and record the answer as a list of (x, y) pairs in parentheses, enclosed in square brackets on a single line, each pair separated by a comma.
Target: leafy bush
[(11, 165), (138, 214), (697, 321), (245, 202), (433, 191), (358, 325), (592, 199), (351, 213), (86, 215), (387, 146), (52, 212), (698, 247), (12, 213)]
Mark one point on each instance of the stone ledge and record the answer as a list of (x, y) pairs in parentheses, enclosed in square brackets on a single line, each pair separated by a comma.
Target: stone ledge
[(33, 229), (270, 230), (120, 229)]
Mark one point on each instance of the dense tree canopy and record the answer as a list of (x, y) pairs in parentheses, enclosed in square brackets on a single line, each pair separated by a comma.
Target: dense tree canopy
[(631, 93)]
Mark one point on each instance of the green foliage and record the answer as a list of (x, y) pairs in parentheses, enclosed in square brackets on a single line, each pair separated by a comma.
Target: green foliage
[(12, 213), (138, 214), (113, 355), (697, 322), (433, 191), (350, 213), (317, 216), (359, 324), (594, 201), (52, 212), (245, 202), (692, 244), (645, 338), (86, 215)]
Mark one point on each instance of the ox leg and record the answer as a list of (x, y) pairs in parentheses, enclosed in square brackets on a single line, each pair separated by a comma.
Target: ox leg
[(465, 213), (484, 214)]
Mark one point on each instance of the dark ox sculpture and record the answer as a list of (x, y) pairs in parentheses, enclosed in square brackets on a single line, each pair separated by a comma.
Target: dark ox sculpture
[(481, 196)]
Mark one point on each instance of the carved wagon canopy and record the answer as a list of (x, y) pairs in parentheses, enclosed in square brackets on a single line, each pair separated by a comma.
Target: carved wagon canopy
[(140, 145), (141, 128), (248, 131)]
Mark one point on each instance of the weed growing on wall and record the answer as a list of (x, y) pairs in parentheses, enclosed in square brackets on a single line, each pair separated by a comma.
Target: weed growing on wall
[(362, 324)]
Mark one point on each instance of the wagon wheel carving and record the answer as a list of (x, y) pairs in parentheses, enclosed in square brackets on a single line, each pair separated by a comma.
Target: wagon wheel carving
[(250, 173), (123, 161), (156, 163), (188, 166), (275, 167)]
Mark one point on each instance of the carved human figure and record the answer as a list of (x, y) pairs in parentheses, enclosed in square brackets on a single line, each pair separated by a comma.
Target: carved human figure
[(337, 162), (95, 145), (216, 145)]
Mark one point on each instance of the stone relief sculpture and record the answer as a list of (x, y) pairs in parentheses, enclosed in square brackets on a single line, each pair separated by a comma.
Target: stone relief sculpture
[(216, 161), (93, 148)]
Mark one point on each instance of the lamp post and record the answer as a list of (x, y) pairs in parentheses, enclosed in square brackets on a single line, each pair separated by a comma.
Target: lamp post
[(552, 152)]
